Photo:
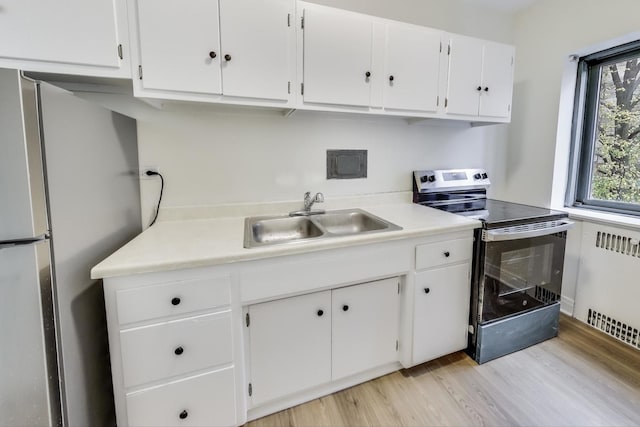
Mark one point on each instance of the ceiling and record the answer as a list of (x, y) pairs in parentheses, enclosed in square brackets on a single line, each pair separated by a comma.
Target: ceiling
[(506, 6)]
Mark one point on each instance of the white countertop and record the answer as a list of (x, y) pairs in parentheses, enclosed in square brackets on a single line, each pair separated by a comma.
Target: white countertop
[(189, 243)]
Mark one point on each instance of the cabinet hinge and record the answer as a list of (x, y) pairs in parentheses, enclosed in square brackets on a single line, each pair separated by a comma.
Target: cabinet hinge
[(509, 108), (120, 52), (301, 88), (302, 23), (446, 102), (288, 19), (437, 101), (398, 288), (512, 60), (250, 389), (440, 47), (289, 87), (247, 319), (397, 345), (449, 49), (140, 72)]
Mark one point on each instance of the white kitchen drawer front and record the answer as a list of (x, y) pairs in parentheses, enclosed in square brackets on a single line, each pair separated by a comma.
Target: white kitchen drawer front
[(173, 298), (442, 253), (176, 347), (203, 400)]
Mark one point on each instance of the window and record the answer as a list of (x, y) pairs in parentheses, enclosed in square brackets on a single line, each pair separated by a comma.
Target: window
[(605, 170)]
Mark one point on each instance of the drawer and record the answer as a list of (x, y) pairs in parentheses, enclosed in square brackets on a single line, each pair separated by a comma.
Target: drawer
[(176, 347), (202, 400), (442, 253), (173, 298)]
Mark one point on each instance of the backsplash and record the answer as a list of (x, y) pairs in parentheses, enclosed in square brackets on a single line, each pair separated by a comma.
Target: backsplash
[(211, 157)]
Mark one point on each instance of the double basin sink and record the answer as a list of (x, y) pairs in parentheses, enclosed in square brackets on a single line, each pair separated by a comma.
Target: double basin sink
[(272, 230)]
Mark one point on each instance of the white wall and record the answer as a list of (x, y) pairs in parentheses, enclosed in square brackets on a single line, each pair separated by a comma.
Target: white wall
[(545, 35), (219, 155)]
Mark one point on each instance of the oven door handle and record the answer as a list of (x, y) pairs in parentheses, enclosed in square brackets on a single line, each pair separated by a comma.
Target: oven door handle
[(515, 233)]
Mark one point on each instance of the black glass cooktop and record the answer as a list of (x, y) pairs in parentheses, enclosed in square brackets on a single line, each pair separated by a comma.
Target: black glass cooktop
[(497, 213)]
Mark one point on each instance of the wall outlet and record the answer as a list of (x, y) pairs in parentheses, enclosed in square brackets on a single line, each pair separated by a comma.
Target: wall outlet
[(143, 172)]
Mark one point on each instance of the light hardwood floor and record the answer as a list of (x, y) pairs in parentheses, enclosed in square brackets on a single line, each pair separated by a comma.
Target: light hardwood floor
[(580, 378)]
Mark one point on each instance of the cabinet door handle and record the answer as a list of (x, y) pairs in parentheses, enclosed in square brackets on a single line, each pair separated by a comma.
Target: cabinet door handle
[(367, 74), (345, 307), (479, 88), (175, 301), (447, 254), (486, 89), (427, 290), (178, 351), (212, 54), (320, 313), (184, 414), (227, 57), (391, 78)]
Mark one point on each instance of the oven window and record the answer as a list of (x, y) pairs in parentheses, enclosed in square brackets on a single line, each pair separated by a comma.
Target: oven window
[(521, 275)]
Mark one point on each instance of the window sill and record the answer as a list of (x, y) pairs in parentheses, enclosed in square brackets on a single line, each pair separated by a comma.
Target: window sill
[(605, 218)]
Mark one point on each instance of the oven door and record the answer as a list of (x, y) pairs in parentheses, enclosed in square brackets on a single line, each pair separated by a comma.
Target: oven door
[(521, 269)]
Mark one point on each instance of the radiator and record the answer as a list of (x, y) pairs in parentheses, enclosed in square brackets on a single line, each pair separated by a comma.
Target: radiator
[(608, 281)]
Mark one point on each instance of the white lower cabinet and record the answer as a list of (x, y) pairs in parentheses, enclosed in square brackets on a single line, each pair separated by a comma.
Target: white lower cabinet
[(441, 311), (290, 345), (364, 327), (175, 347), (202, 400), (300, 342)]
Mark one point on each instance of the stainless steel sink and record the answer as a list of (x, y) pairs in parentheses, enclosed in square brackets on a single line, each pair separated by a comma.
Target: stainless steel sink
[(271, 230), (351, 222)]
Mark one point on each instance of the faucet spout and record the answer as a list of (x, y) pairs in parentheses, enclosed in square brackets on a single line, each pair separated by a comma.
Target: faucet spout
[(309, 201)]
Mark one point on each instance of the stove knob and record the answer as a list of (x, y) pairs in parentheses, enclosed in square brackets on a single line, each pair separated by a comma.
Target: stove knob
[(424, 178), (485, 176), (431, 178), (477, 176)]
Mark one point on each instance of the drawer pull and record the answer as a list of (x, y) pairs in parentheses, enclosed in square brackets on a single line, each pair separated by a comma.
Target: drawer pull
[(178, 351), (320, 313), (447, 254), (184, 414), (427, 290), (175, 301), (345, 307)]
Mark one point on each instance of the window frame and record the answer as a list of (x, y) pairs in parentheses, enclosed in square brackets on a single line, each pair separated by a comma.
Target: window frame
[(583, 139)]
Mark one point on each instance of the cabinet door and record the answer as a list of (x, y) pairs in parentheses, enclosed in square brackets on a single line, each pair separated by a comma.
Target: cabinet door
[(365, 327), (71, 31), (464, 84), (497, 80), (258, 38), (290, 345), (412, 67), (337, 56), (176, 38), (441, 315)]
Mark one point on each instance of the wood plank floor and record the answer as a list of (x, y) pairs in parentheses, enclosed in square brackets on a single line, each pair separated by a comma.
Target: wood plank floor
[(580, 378)]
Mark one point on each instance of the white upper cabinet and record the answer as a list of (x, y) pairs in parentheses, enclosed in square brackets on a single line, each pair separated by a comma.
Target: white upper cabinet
[(258, 48), (230, 51), (480, 80), (71, 37), (337, 56), (354, 60), (412, 67), (180, 45)]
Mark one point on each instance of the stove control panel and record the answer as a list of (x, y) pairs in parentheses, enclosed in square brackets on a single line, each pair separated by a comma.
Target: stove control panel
[(451, 179)]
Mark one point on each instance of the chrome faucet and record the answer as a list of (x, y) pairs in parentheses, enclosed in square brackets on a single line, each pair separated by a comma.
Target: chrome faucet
[(308, 203)]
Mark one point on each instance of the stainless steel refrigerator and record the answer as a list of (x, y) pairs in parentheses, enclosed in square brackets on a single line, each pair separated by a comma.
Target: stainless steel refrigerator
[(69, 196)]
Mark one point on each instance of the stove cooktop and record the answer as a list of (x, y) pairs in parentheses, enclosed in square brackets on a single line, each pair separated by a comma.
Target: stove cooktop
[(503, 214)]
